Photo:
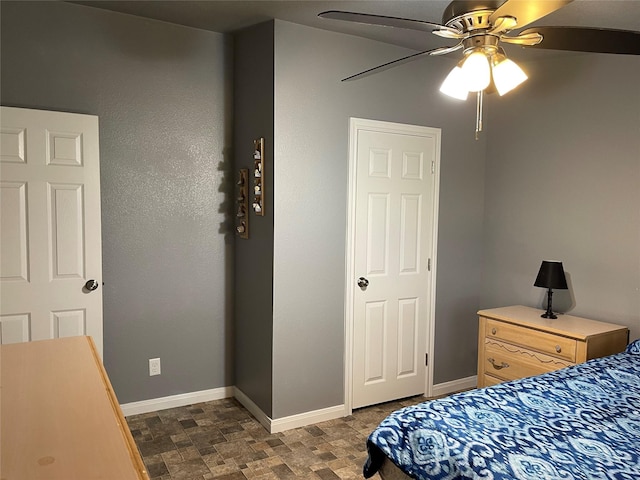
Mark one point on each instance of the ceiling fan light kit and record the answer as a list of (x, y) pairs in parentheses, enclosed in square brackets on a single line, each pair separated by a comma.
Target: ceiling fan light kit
[(480, 26), (484, 63), (478, 69)]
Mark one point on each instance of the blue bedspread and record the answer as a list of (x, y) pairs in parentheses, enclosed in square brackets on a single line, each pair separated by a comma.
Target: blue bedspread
[(581, 422)]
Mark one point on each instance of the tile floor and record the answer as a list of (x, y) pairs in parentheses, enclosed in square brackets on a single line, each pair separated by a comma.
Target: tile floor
[(221, 440)]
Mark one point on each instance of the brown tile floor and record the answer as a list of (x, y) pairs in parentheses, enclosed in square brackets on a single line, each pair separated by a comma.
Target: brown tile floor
[(221, 440)]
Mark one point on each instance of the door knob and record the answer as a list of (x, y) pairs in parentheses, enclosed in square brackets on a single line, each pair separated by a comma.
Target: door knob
[(91, 285), (363, 283)]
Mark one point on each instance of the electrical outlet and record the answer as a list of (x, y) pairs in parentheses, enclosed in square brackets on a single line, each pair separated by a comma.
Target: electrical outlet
[(154, 366)]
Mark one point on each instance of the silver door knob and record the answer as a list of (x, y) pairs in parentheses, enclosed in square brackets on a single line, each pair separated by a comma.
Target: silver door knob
[(363, 282), (91, 285)]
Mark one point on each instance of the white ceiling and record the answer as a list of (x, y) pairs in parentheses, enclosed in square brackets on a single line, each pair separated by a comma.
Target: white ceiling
[(226, 16)]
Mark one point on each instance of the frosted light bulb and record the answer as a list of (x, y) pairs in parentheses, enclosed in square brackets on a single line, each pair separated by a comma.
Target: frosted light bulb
[(477, 71), (507, 75), (454, 85)]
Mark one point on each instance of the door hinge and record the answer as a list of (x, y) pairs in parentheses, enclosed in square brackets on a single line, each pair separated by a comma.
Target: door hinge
[(426, 359), (429, 265), (433, 166)]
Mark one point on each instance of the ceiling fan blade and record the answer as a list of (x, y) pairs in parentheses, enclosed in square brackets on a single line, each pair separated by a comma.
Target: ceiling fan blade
[(582, 39), (526, 11), (386, 66), (385, 21)]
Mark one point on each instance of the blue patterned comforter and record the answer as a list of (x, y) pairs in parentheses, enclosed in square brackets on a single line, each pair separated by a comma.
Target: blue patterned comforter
[(581, 422)]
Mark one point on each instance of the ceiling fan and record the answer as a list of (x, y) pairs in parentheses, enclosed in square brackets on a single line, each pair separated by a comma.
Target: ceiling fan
[(480, 27)]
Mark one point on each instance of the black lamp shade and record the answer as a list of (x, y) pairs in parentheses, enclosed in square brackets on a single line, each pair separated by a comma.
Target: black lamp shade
[(551, 275)]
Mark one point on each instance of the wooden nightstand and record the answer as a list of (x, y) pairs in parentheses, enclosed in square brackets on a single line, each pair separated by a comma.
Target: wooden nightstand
[(515, 342)]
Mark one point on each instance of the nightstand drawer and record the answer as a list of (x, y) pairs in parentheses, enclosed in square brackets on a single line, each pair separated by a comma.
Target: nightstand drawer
[(555, 345), (510, 362), (490, 380)]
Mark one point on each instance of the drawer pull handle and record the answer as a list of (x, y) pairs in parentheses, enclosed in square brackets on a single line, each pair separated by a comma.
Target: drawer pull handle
[(496, 366), (493, 331), (558, 348)]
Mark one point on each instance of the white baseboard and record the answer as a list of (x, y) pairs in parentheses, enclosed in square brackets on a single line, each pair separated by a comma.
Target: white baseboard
[(293, 421), (307, 418), (279, 424), (454, 386), (181, 400), (253, 409)]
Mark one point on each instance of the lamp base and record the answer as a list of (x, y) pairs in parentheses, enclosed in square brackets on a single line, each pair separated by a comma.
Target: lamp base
[(549, 312)]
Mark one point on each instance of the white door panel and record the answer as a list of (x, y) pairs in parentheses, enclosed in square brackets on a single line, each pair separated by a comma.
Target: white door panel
[(50, 226), (393, 232), (13, 249)]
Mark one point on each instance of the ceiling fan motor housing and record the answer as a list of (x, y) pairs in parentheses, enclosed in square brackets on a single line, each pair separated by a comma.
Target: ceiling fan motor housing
[(468, 15)]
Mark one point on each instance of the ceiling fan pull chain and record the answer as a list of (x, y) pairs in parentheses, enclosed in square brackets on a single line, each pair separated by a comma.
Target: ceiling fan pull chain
[(479, 113)]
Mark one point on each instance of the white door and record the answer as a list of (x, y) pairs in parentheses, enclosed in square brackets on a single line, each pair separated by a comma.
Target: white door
[(393, 255), (50, 230)]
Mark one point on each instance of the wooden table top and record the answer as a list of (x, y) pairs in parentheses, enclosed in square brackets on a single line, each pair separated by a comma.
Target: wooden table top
[(59, 415)]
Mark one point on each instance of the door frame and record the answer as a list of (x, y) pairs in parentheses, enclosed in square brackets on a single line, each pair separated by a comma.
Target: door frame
[(355, 125)]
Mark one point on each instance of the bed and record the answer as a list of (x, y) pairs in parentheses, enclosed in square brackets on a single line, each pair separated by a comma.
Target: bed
[(581, 422)]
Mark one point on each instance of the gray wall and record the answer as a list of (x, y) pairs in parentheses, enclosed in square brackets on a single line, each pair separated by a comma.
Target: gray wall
[(163, 96), (253, 118), (312, 122), (563, 183)]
